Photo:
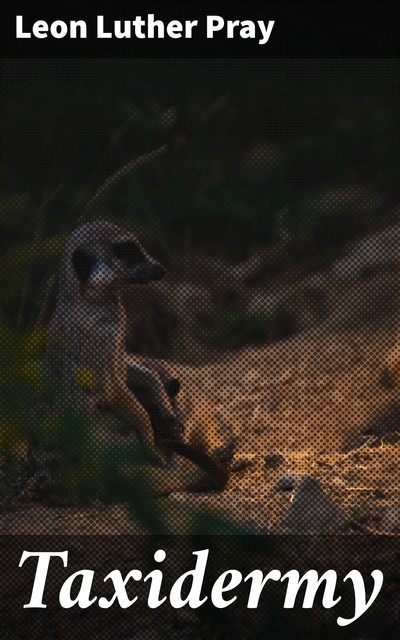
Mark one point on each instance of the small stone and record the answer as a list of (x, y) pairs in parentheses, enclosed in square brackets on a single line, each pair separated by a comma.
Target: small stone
[(378, 493), (312, 511), (286, 483), (273, 460), (338, 483)]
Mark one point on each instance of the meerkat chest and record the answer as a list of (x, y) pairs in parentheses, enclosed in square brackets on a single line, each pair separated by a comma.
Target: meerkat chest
[(89, 343)]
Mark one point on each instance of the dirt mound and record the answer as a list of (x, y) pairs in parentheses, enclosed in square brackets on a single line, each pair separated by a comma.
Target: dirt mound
[(315, 403), (311, 393)]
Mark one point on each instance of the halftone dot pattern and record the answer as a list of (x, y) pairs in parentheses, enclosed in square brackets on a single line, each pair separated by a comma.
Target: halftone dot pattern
[(265, 387)]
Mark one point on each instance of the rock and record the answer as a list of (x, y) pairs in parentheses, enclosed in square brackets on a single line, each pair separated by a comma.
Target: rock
[(391, 519), (383, 423), (273, 460), (312, 511), (378, 251), (286, 483)]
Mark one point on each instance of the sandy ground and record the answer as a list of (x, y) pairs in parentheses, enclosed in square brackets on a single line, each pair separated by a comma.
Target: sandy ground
[(310, 405)]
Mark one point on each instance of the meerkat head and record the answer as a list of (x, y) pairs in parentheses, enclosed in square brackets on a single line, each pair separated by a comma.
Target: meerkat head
[(101, 258)]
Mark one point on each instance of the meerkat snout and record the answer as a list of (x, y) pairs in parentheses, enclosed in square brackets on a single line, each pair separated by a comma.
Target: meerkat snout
[(140, 268), (146, 273)]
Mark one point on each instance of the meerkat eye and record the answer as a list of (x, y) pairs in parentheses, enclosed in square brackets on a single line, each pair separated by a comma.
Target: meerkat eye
[(128, 252)]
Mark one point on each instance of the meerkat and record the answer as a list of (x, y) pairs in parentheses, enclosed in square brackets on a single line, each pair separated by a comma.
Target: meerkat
[(100, 262)]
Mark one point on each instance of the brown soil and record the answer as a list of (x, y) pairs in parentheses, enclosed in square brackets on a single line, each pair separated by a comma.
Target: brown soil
[(313, 399)]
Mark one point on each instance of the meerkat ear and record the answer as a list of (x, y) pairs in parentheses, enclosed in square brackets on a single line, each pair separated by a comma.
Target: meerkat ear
[(83, 263)]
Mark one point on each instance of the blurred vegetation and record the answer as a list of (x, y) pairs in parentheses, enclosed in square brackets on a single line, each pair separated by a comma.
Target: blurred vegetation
[(233, 159)]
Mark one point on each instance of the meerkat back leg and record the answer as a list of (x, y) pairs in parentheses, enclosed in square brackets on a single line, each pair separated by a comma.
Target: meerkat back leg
[(195, 470), (200, 470), (154, 389), (168, 376), (202, 428), (151, 392)]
